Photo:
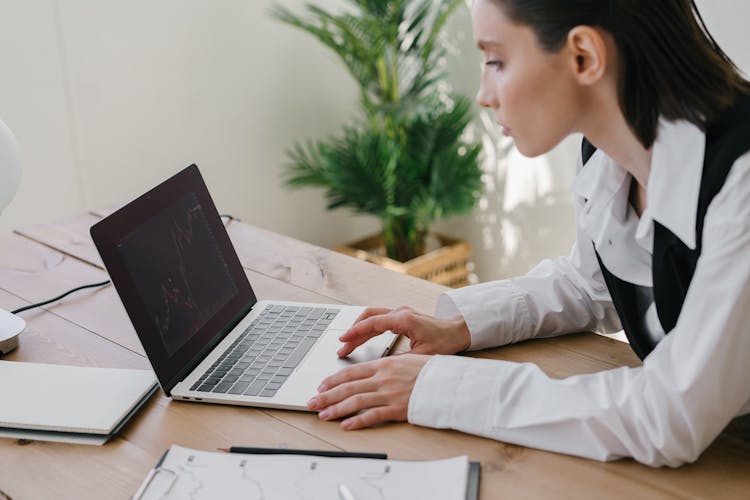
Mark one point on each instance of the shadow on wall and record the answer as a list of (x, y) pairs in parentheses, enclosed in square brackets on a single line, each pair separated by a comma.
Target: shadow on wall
[(526, 211)]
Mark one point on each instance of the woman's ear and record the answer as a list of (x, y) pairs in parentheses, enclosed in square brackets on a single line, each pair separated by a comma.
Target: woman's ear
[(587, 48)]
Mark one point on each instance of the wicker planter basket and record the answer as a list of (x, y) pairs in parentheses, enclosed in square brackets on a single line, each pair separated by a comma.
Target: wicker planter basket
[(446, 265)]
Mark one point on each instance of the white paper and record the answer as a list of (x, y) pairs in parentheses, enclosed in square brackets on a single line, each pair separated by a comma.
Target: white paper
[(203, 475)]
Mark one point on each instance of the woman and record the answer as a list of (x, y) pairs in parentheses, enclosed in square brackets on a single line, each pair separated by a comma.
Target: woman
[(663, 245)]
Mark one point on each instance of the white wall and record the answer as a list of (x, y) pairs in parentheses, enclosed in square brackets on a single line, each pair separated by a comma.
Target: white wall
[(727, 22), (108, 98)]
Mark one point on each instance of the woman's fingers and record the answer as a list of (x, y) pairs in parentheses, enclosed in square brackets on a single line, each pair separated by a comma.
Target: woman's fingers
[(427, 334), (353, 340), (372, 311), (353, 404), (371, 326), (349, 374), (341, 392), (379, 390), (373, 416)]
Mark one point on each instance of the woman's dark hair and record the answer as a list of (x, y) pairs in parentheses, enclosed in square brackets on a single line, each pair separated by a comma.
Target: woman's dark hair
[(670, 64)]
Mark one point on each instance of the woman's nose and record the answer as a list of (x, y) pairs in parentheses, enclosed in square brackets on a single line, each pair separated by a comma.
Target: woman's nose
[(485, 97)]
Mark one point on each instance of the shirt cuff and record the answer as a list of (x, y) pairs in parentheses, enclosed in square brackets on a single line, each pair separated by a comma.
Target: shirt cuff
[(445, 398), (495, 312)]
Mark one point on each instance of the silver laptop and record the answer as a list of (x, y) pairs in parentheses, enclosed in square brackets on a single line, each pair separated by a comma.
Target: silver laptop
[(206, 335)]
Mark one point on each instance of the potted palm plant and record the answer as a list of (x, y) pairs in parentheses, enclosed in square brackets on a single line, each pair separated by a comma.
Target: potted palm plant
[(404, 160)]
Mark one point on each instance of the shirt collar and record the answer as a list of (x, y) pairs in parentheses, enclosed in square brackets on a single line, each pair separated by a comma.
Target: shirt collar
[(674, 180), (601, 180)]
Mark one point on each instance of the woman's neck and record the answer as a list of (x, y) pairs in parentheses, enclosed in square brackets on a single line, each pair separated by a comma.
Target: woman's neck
[(610, 132)]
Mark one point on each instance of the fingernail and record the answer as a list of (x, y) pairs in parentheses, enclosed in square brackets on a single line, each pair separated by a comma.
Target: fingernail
[(324, 414), (322, 387), (346, 425), (313, 403)]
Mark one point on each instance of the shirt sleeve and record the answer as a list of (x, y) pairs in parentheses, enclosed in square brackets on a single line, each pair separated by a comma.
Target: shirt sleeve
[(558, 296), (665, 412)]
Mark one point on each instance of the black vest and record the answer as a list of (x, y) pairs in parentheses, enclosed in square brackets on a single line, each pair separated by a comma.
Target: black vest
[(673, 265)]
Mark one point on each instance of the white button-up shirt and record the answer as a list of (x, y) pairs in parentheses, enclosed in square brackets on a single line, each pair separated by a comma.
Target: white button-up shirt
[(693, 383)]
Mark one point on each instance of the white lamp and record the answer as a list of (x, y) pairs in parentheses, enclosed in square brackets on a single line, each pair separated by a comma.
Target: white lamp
[(10, 177)]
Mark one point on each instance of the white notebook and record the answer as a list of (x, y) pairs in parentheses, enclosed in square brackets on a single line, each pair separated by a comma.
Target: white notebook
[(74, 399)]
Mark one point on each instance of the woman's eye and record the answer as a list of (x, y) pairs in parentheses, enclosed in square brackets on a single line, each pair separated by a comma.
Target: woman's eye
[(498, 65)]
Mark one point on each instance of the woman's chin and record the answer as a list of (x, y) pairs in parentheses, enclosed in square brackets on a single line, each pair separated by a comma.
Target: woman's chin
[(531, 149)]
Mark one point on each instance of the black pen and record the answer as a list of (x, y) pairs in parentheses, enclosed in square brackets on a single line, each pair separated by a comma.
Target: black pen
[(316, 453)]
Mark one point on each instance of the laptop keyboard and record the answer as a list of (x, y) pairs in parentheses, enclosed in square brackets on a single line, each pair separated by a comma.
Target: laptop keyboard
[(267, 352)]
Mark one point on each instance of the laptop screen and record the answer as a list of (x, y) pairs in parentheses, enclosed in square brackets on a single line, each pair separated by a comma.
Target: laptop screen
[(174, 267), (178, 271)]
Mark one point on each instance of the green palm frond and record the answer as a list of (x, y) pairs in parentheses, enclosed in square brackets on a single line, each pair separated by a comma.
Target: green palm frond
[(405, 160), (347, 166)]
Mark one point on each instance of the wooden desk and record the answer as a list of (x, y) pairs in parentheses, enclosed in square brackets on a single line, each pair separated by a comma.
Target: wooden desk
[(91, 328)]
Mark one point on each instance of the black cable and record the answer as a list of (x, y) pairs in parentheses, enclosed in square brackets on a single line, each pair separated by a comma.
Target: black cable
[(32, 306)]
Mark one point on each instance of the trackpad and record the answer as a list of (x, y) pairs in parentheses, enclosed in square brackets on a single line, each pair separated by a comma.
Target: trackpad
[(323, 360)]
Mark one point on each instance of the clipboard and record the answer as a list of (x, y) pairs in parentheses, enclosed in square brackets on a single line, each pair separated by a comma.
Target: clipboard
[(167, 477)]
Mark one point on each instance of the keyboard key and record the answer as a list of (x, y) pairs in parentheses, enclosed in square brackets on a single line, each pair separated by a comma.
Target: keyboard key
[(267, 393), (300, 352), (239, 388), (223, 387), (316, 313), (254, 388)]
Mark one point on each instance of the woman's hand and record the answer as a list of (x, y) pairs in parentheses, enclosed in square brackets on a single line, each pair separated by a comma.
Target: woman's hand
[(380, 389), (427, 334)]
